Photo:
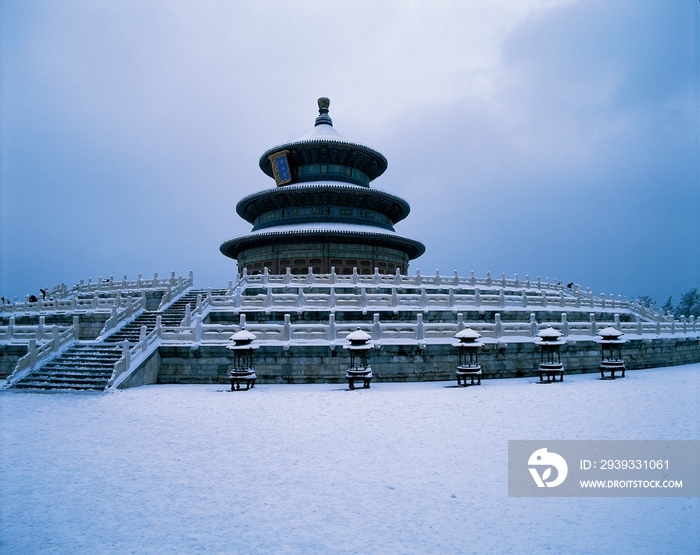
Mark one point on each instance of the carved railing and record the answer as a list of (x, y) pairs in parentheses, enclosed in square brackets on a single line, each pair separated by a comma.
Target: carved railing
[(39, 333), (418, 292), (38, 354), (133, 356), (416, 330), (101, 295), (132, 308)]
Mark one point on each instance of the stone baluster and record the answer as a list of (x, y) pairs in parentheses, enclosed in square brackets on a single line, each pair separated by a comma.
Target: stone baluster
[(418, 279), (265, 276), (32, 353), (472, 279), (397, 277), (455, 279), (640, 327), (544, 298), (198, 328), (438, 279), (333, 275), (692, 324), (300, 299), (331, 327), (616, 323), (268, 298), (394, 298), (241, 321), (594, 327), (377, 278), (527, 281), (354, 275), (40, 328), (287, 330), (503, 280), (10, 327), (143, 338), (499, 326), (501, 298), (533, 325), (56, 340), (420, 330), (376, 328), (331, 300), (523, 293), (187, 320), (460, 321), (477, 297), (191, 278), (363, 299), (138, 282), (488, 279), (159, 326), (516, 282), (423, 298), (76, 327), (539, 283), (452, 297), (126, 354), (310, 277), (199, 303), (564, 324)]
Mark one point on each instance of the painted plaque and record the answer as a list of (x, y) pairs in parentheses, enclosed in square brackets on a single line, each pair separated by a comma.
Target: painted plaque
[(280, 167)]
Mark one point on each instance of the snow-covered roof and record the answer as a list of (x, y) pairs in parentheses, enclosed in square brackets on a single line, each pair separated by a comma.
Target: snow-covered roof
[(322, 226), (242, 336), (323, 132), (468, 335)]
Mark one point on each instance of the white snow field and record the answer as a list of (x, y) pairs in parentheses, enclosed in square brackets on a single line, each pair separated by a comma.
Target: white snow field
[(400, 468)]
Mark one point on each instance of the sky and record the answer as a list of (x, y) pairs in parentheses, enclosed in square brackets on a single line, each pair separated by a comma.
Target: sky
[(552, 138)]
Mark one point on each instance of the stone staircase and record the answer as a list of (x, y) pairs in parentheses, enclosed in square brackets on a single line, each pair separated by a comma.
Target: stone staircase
[(172, 316), (81, 367), (89, 366)]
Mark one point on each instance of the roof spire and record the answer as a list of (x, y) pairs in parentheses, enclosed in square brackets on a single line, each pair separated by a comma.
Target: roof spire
[(323, 117)]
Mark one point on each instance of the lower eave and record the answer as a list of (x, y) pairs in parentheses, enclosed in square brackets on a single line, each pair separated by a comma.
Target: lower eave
[(233, 247)]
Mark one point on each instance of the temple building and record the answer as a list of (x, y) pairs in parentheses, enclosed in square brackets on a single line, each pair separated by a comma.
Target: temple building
[(322, 214)]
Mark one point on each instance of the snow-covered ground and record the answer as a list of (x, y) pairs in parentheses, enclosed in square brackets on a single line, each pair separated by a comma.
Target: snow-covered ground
[(400, 468)]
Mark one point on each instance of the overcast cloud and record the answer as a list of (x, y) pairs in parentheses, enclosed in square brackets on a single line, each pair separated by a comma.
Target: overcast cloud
[(551, 138)]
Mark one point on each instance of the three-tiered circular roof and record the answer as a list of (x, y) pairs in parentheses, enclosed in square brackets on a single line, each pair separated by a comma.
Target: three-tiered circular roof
[(324, 197)]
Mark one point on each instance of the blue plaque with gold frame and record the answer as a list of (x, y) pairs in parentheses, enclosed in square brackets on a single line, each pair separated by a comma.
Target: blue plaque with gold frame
[(280, 167)]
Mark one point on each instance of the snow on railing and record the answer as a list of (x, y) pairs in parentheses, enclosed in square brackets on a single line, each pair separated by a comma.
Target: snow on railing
[(311, 291), (409, 332), (38, 333), (131, 308), (37, 355), (99, 296), (133, 356), (141, 283), (174, 289)]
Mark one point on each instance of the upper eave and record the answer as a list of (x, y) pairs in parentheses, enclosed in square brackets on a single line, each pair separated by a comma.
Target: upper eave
[(328, 151)]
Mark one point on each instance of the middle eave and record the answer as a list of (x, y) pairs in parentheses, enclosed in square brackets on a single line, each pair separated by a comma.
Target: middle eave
[(306, 194)]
